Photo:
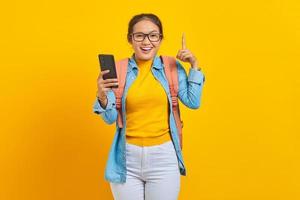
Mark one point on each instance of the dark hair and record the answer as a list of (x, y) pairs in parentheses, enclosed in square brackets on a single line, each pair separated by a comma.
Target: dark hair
[(144, 16)]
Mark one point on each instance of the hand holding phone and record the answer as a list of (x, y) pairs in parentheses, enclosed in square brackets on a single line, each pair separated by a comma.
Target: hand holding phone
[(107, 78)]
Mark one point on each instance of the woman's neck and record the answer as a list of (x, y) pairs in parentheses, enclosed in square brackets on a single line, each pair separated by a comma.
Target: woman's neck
[(143, 62)]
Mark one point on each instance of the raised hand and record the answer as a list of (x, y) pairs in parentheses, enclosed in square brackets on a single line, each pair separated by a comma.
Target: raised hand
[(185, 55)]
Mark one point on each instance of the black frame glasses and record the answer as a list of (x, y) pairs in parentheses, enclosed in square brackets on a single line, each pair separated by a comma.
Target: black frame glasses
[(144, 36)]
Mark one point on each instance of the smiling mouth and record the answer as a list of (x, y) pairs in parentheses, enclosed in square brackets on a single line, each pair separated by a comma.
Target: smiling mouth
[(146, 49)]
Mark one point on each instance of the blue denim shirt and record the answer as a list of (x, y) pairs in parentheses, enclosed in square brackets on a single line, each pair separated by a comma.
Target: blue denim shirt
[(189, 93)]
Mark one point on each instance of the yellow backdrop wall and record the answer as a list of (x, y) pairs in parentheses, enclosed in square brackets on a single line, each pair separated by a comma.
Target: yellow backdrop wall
[(243, 142)]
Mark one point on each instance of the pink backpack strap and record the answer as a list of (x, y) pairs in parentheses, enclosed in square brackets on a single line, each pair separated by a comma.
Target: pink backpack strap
[(121, 67), (172, 77)]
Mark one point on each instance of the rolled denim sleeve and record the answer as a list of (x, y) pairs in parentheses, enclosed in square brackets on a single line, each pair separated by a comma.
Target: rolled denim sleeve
[(109, 113), (196, 76), (190, 87)]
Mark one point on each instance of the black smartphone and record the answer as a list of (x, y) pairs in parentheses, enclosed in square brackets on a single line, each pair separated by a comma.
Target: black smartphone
[(107, 61)]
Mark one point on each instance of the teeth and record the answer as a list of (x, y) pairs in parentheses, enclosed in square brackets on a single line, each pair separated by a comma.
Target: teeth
[(145, 48)]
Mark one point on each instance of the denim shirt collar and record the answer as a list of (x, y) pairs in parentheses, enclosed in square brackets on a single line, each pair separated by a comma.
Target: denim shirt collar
[(157, 64)]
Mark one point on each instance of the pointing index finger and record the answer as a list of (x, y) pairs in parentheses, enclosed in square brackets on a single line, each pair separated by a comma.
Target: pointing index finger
[(183, 43)]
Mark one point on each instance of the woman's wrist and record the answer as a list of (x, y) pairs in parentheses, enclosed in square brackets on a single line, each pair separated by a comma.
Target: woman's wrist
[(195, 65), (197, 68), (101, 99)]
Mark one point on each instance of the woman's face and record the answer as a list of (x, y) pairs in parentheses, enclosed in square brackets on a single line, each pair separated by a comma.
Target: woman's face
[(146, 49)]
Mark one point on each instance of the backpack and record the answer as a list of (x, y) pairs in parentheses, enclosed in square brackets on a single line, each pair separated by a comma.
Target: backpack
[(170, 68)]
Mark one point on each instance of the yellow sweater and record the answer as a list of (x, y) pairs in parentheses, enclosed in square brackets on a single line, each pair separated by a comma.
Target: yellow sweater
[(146, 109)]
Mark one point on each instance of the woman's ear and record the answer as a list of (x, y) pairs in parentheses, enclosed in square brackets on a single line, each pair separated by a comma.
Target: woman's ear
[(129, 39)]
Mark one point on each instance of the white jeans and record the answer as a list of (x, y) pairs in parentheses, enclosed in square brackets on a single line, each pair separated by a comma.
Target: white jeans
[(152, 174)]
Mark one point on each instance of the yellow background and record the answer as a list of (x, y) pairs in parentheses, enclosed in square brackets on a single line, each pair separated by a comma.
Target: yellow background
[(243, 142)]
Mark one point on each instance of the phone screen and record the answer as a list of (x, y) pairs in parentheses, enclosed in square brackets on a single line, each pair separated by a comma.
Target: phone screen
[(107, 62)]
